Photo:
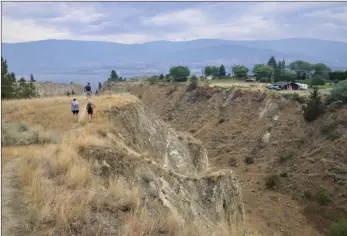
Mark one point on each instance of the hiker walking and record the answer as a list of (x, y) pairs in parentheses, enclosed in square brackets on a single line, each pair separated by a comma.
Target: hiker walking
[(88, 90), (90, 108), (75, 108)]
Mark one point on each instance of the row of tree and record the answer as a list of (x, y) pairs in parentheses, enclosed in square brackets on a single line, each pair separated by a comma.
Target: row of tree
[(296, 70), (278, 71), (272, 71), (12, 88)]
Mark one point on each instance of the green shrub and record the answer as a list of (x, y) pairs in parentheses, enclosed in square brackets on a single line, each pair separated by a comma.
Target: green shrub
[(179, 80), (193, 84), (339, 92), (153, 79), (323, 196), (307, 194), (22, 134), (284, 175), (272, 181), (249, 160), (314, 107), (317, 80), (339, 228)]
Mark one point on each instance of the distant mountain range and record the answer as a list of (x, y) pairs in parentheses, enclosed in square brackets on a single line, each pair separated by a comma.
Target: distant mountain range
[(66, 60)]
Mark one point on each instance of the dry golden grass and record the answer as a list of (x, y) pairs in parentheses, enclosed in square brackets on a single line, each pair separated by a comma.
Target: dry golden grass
[(141, 222), (60, 187), (61, 191), (55, 113)]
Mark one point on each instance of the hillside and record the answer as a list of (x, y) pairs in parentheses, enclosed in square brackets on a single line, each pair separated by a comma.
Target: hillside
[(127, 173), (268, 132), (75, 59), (45, 89), (160, 160)]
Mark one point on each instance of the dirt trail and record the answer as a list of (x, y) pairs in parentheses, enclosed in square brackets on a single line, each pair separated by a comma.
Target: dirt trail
[(13, 208)]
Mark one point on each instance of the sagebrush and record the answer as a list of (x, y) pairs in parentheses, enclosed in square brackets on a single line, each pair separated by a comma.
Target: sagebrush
[(14, 134)]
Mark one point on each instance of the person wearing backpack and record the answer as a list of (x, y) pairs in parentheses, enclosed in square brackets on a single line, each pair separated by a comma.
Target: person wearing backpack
[(90, 109), (88, 90), (75, 108)]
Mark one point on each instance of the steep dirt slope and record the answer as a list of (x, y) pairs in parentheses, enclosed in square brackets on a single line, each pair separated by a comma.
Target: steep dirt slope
[(269, 130)]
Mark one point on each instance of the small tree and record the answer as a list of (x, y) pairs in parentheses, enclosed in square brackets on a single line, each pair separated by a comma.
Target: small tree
[(32, 79), (314, 107), (272, 62), (161, 77), (222, 72), (317, 80), (240, 71), (193, 84), (113, 76), (262, 71), (100, 85), (8, 84), (179, 73)]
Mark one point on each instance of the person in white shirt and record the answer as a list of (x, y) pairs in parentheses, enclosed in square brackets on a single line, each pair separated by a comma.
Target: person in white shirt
[(75, 108)]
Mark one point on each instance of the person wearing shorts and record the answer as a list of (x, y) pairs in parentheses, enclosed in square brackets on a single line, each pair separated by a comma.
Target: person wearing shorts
[(75, 108), (90, 109), (88, 90)]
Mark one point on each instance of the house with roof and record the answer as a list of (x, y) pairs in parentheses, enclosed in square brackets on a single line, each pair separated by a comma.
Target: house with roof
[(284, 85)]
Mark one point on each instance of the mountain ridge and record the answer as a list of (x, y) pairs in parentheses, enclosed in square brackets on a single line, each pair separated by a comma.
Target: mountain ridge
[(79, 58)]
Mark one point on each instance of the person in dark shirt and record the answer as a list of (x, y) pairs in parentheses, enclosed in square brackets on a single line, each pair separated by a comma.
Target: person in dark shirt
[(88, 90), (90, 109)]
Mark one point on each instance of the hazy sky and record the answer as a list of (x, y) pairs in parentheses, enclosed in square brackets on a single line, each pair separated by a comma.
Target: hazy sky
[(137, 22)]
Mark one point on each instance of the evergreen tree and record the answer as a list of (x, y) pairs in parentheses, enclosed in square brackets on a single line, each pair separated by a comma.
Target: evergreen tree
[(278, 72), (113, 76), (32, 79), (272, 62), (7, 81), (222, 72), (11, 88), (315, 106)]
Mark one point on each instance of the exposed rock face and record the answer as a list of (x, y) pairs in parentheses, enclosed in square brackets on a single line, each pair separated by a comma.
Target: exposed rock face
[(174, 171), (45, 89)]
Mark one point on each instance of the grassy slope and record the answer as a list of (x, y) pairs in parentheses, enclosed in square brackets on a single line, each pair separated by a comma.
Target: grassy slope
[(62, 194)]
